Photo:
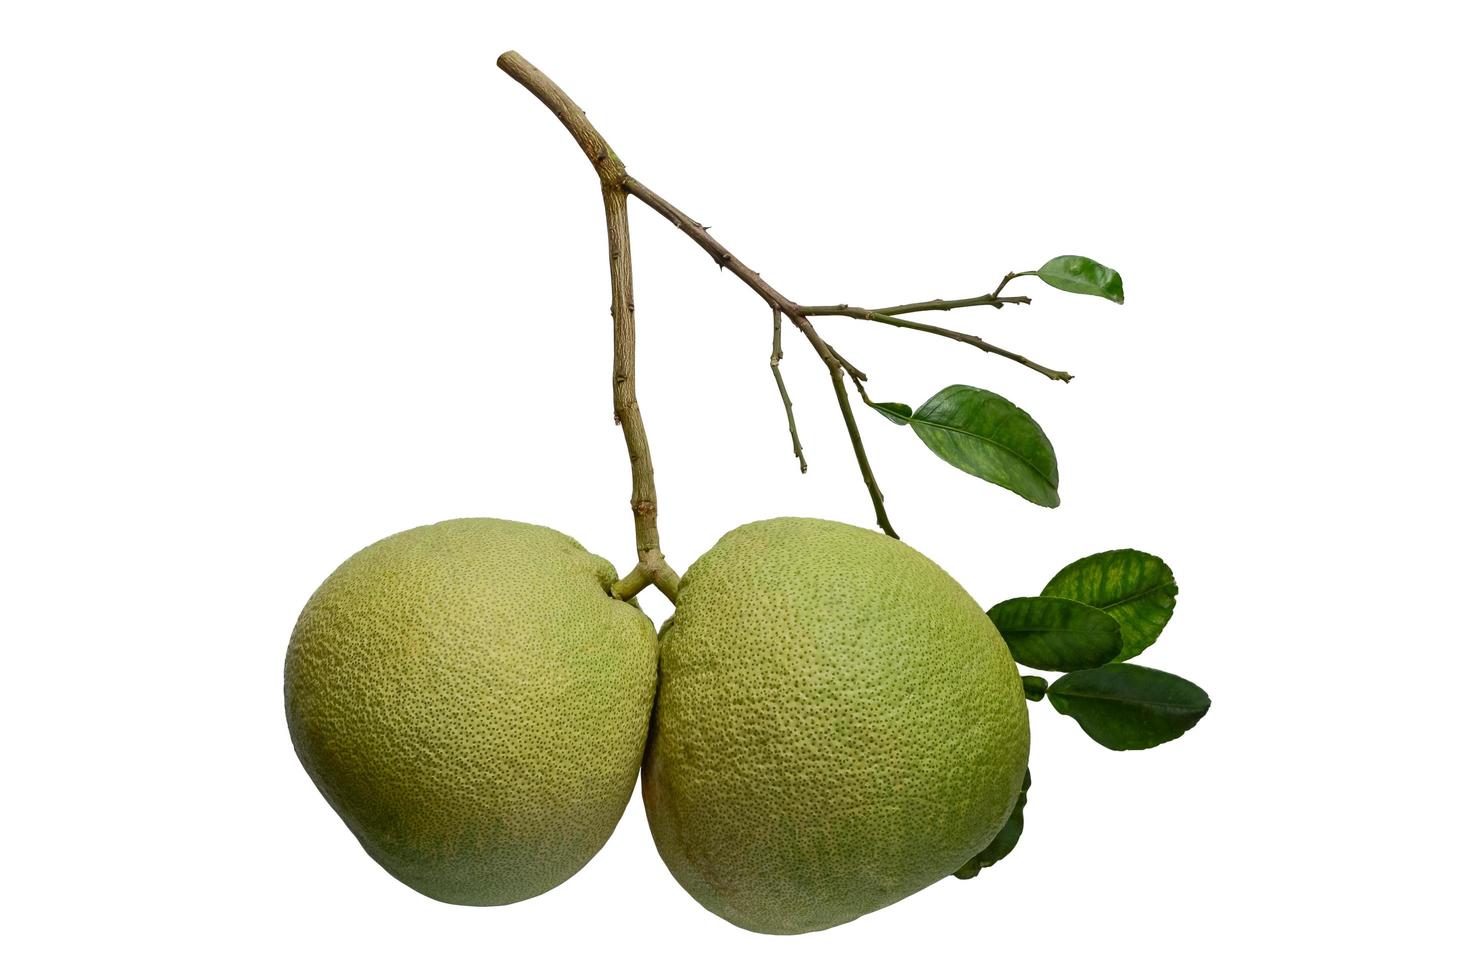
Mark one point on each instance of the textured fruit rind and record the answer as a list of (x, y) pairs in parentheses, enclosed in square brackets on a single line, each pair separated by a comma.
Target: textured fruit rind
[(838, 725), (473, 704)]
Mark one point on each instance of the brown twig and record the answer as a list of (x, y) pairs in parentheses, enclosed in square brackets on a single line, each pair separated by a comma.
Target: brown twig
[(793, 312), (989, 299), (993, 299), (853, 372), (878, 316), (776, 355)]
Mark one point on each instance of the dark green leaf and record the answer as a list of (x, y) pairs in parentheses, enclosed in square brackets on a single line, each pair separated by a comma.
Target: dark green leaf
[(1134, 587), (1127, 706), (1050, 633), (1006, 838), (1034, 687), (989, 437), (1077, 274), (895, 412)]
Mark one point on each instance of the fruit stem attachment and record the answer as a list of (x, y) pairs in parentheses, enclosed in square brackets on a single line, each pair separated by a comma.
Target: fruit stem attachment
[(651, 567)]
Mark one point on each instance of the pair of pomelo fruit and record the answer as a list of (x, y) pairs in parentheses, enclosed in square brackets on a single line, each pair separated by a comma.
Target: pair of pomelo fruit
[(827, 724)]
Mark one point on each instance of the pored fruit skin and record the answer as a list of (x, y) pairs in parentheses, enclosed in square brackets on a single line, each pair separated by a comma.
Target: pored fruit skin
[(473, 704), (838, 725)]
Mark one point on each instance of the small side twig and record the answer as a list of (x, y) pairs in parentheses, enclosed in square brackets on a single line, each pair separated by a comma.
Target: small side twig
[(859, 313), (1009, 278), (776, 355), (993, 299), (987, 299), (853, 372)]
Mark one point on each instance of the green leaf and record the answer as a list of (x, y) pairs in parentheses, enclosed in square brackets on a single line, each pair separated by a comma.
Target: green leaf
[(1006, 838), (1127, 706), (1050, 633), (1077, 274), (896, 412), (1134, 587), (1034, 687), (989, 437)]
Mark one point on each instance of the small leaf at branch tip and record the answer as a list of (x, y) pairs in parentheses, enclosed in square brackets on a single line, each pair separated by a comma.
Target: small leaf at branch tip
[(1077, 274)]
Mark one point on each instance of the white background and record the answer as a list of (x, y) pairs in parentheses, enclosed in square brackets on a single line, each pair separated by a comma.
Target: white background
[(278, 279)]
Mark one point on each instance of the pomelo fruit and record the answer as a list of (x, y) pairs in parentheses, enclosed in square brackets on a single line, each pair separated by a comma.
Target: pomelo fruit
[(838, 725), (473, 703)]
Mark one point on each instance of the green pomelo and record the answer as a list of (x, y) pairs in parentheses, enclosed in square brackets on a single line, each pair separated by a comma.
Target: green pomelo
[(473, 704), (838, 725)]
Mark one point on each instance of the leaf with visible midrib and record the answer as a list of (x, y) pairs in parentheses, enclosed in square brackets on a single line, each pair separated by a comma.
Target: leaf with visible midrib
[(1127, 706), (989, 437), (1077, 274), (1136, 588), (1052, 633)]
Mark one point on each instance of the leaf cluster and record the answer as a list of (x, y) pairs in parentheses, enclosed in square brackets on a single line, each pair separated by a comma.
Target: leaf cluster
[(1093, 616)]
